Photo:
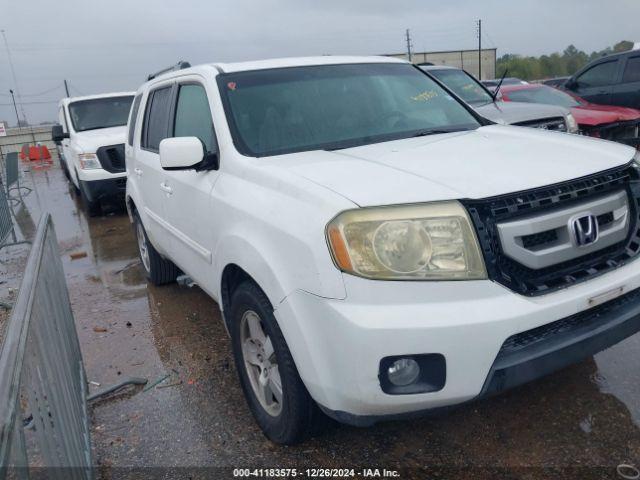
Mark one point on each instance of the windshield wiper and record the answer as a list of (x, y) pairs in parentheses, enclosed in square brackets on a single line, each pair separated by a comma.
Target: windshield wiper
[(424, 133), (495, 94)]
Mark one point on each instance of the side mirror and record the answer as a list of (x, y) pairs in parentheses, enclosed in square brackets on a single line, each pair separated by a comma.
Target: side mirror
[(181, 153), (570, 84), (57, 134)]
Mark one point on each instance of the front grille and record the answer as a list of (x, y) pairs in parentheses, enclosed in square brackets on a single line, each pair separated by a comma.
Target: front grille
[(587, 319), (112, 158), (538, 239), (556, 124), (605, 219), (487, 213)]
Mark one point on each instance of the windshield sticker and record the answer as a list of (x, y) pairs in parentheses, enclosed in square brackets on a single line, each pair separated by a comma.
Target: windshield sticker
[(425, 96), (232, 86)]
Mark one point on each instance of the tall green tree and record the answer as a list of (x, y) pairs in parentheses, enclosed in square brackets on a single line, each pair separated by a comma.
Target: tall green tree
[(555, 65)]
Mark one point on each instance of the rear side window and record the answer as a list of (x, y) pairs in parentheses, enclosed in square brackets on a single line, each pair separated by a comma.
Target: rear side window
[(193, 116), (156, 119), (599, 75), (134, 116), (632, 70)]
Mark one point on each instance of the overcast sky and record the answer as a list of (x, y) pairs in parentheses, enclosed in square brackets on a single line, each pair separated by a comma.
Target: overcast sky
[(102, 46)]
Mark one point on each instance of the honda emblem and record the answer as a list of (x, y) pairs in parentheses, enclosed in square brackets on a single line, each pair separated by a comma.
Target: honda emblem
[(584, 230)]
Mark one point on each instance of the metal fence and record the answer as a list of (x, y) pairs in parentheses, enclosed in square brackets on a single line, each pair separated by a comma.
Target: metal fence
[(7, 230), (42, 377)]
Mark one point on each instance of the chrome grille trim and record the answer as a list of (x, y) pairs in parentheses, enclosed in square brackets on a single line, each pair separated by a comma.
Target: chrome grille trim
[(512, 234)]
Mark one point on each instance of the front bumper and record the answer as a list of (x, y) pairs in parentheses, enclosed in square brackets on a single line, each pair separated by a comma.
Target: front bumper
[(627, 132), (338, 344), (95, 190)]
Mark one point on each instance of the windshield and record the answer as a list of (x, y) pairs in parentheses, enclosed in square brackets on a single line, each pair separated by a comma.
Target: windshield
[(330, 107), (463, 85), (99, 113), (543, 94)]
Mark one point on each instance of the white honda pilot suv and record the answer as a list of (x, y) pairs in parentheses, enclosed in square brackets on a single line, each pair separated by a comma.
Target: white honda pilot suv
[(378, 248)]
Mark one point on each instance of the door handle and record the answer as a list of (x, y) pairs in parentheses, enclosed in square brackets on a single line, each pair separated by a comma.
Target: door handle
[(138, 171), (166, 188)]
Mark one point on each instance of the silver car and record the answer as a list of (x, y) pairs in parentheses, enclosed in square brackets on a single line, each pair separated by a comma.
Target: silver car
[(470, 90)]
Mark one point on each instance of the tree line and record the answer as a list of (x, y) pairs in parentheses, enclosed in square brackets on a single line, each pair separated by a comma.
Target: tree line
[(554, 65)]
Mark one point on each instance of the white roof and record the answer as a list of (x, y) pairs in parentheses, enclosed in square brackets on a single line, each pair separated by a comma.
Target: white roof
[(302, 62), (68, 100), (271, 63)]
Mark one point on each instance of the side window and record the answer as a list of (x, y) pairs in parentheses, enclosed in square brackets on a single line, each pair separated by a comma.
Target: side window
[(132, 120), (156, 118), (193, 116), (632, 70), (599, 75)]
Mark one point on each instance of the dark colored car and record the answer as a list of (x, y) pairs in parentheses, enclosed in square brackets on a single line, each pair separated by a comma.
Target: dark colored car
[(610, 122), (557, 82), (610, 80)]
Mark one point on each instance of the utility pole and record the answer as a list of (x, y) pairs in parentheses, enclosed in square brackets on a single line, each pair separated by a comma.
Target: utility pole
[(15, 108), (66, 87), (479, 49), (408, 34)]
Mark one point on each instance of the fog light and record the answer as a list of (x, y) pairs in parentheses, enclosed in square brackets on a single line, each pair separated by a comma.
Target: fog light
[(403, 371)]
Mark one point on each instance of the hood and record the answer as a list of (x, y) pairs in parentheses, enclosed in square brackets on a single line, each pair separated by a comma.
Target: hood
[(507, 113), (489, 161), (91, 140), (592, 114)]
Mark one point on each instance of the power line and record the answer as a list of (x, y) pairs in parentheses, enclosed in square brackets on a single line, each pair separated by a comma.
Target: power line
[(13, 72), (39, 102)]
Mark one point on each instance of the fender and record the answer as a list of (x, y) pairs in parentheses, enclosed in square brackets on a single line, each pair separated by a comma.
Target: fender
[(235, 249)]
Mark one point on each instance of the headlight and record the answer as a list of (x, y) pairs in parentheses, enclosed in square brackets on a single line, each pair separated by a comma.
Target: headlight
[(432, 241), (572, 125), (88, 161)]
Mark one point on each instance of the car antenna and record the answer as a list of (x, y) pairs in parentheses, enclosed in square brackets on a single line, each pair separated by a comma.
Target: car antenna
[(495, 92)]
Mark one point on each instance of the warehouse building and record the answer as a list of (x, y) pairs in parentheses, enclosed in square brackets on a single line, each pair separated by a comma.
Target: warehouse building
[(467, 59)]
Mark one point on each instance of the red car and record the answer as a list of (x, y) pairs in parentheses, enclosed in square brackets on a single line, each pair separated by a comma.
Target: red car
[(619, 124)]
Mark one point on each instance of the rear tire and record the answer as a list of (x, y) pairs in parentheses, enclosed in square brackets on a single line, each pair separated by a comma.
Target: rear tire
[(264, 363), (157, 269)]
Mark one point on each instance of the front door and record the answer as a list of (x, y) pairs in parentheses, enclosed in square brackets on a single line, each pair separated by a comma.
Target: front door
[(596, 83), (188, 205)]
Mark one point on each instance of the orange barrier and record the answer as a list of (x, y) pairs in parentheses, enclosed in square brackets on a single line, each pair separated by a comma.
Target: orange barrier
[(34, 153), (44, 153), (24, 152)]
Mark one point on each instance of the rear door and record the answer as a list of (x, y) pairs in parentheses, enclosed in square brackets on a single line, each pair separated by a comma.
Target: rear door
[(595, 84), (149, 174), (626, 93), (188, 205)]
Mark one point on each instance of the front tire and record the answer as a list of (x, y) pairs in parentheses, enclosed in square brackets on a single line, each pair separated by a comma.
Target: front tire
[(93, 207), (157, 269), (276, 396)]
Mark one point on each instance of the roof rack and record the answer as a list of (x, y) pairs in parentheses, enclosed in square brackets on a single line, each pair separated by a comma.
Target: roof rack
[(178, 66)]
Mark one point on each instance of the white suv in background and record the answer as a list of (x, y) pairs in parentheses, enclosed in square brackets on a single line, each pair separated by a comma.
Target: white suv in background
[(90, 135), (377, 247)]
